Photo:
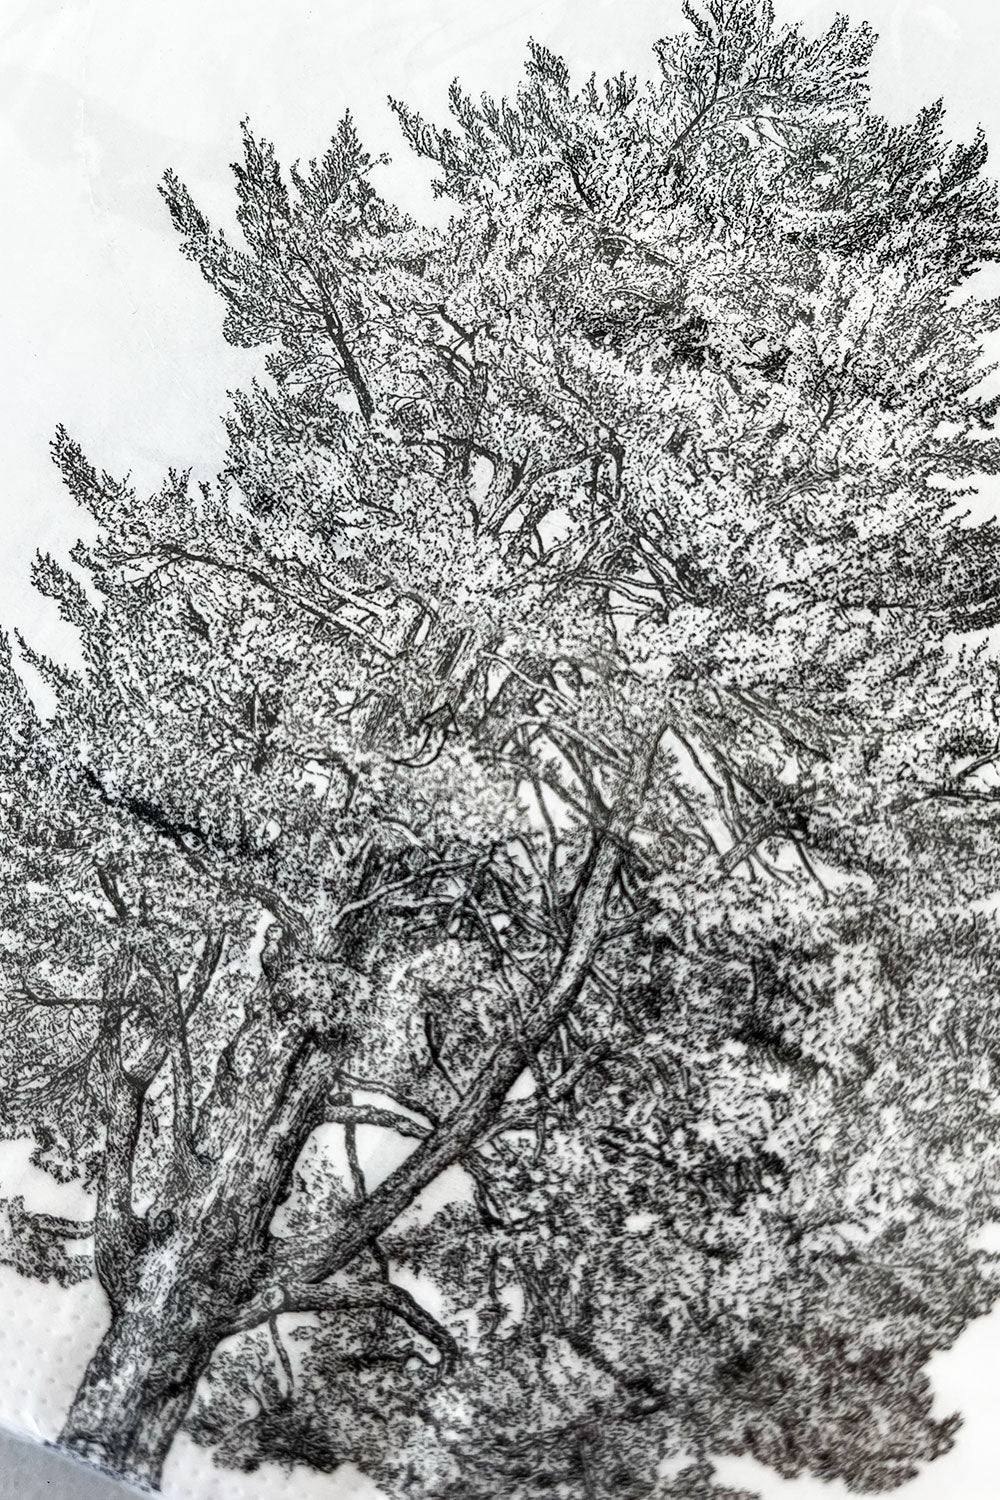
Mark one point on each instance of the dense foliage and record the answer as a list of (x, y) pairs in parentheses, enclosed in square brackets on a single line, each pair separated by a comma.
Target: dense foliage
[(552, 766)]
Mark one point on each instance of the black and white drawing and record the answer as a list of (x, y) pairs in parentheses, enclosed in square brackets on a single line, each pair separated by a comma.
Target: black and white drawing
[(501, 917)]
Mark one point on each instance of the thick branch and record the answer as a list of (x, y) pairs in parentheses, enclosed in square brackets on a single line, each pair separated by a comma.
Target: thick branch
[(480, 1106), (296, 926), (119, 1233), (525, 1114)]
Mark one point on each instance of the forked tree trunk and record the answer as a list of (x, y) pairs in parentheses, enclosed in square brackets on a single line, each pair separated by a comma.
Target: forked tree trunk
[(187, 1290), (139, 1385), (173, 1300)]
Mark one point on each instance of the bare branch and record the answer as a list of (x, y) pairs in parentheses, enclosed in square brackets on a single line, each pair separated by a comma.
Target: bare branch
[(388, 1091), (366, 1114), (144, 1069)]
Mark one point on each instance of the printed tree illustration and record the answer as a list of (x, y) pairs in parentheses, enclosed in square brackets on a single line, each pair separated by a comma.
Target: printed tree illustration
[(502, 919)]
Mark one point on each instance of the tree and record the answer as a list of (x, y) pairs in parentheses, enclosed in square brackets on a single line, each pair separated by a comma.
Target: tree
[(550, 767)]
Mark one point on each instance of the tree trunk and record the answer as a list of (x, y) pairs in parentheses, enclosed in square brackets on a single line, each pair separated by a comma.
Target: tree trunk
[(139, 1385), (173, 1291)]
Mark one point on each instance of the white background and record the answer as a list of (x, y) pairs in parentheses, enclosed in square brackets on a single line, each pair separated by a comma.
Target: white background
[(103, 327)]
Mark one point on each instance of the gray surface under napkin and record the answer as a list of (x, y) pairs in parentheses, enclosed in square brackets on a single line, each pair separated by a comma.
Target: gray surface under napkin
[(29, 1471)]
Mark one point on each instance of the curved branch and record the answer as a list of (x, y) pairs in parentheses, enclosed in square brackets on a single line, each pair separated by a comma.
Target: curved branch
[(387, 1091), (298, 1297), (383, 1119)]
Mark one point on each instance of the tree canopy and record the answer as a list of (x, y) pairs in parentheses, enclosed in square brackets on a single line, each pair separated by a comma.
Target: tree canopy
[(503, 915)]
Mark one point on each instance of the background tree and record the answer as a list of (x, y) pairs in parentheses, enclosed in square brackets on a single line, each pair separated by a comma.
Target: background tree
[(551, 764)]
